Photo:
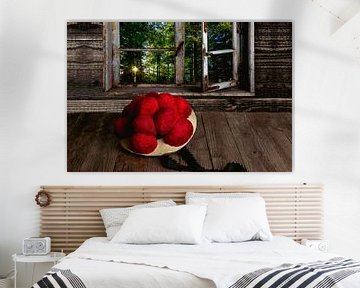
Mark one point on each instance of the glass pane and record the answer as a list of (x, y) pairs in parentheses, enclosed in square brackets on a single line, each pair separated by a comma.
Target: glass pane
[(147, 67), (147, 34), (219, 35), (193, 61), (220, 68)]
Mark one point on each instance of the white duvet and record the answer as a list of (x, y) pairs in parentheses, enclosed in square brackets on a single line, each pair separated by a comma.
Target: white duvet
[(100, 263)]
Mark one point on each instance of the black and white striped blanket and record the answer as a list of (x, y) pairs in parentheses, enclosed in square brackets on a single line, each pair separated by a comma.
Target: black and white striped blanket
[(57, 278), (320, 274)]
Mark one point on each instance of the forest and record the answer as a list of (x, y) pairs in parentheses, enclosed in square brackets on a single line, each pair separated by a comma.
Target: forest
[(147, 52)]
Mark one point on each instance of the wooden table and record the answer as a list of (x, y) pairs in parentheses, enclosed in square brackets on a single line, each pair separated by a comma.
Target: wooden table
[(261, 141)]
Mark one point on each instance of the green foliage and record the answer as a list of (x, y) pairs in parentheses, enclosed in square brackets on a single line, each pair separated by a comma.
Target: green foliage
[(193, 53), (219, 38), (133, 34), (219, 35), (154, 66), (158, 66)]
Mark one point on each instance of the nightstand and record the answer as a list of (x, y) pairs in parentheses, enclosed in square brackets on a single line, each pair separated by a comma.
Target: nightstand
[(53, 257), (320, 245)]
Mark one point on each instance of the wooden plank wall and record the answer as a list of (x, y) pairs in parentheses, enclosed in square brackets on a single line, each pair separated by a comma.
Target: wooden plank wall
[(227, 104), (85, 54), (273, 59), (73, 215)]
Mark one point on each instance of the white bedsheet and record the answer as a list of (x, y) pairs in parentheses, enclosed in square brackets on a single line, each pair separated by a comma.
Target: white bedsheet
[(102, 264)]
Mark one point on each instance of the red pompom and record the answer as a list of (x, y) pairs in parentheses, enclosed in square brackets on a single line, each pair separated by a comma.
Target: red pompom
[(147, 106), (155, 115), (152, 94), (167, 100), (165, 120), (143, 143), (183, 107), (129, 109), (180, 134), (144, 124), (121, 127)]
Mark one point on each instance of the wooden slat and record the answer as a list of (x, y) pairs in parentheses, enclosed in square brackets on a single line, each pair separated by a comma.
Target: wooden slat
[(115, 53), (179, 189), (180, 52), (222, 85), (219, 52), (251, 48), (79, 102), (221, 144), (204, 49), (236, 50), (108, 47), (278, 214), (73, 216)]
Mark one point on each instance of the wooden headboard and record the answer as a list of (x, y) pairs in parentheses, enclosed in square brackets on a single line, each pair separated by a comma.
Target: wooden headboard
[(73, 214)]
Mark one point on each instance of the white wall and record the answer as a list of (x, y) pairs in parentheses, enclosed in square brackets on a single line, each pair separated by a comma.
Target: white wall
[(33, 107)]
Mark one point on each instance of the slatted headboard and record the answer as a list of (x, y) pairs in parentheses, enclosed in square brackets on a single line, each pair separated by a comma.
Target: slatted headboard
[(73, 215)]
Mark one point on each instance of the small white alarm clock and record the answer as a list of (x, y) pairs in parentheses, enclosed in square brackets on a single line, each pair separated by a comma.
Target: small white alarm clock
[(36, 246)]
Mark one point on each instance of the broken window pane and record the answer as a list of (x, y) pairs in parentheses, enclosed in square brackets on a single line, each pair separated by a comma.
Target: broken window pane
[(220, 68), (219, 35)]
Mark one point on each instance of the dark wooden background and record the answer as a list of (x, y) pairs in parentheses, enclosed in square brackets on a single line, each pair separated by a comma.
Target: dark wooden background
[(273, 59), (85, 54)]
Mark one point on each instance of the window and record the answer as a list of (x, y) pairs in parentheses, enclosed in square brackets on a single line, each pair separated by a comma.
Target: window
[(208, 55), (220, 58), (147, 53)]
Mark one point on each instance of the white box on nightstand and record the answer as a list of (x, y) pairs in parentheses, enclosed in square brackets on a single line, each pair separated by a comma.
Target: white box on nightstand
[(320, 245)]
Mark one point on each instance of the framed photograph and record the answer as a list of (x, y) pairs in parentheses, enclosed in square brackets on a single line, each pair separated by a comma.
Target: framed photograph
[(179, 96)]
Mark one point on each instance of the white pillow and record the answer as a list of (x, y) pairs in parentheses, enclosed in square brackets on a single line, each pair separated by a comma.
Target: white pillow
[(113, 218), (236, 220), (173, 225), (203, 198)]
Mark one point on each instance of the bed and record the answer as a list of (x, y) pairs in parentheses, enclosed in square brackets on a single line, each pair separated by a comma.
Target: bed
[(99, 263), (294, 211)]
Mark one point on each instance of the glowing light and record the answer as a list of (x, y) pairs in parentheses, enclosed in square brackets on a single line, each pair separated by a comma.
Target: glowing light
[(135, 69)]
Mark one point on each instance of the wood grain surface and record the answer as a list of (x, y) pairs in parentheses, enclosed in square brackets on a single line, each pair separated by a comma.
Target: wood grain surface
[(85, 53), (273, 59), (261, 141)]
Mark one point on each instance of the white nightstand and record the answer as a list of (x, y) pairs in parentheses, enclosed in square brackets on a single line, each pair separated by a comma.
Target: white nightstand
[(320, 245), (53, 257)]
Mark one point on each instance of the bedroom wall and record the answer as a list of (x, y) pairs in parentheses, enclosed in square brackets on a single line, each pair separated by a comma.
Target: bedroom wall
[(33, 107)]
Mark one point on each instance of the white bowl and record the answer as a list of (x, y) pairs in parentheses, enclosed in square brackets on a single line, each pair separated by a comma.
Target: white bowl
[(162, 148)]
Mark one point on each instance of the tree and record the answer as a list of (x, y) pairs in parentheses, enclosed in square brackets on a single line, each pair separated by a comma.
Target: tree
[(154, 66), (158, 66)]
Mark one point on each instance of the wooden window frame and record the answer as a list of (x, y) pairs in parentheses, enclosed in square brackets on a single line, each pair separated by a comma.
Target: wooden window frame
[(235, 51), (111, 47)]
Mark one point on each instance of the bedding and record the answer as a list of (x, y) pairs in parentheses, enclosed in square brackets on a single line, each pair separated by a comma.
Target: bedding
[(100, 263), (236, 220), (113, 218), (181, 224)]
